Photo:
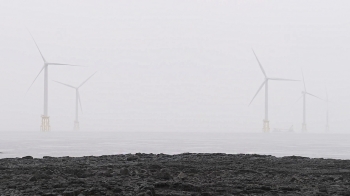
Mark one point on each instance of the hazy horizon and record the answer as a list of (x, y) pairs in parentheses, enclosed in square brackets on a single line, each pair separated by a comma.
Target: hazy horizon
[(170, 66)]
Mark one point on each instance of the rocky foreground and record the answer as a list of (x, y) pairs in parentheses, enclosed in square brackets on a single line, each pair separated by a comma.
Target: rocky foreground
[(174, 175)]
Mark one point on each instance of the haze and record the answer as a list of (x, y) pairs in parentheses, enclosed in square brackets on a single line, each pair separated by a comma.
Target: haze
[(175, 66)]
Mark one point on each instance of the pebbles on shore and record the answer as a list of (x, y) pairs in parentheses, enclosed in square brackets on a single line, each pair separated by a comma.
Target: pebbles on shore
[(174, 175)]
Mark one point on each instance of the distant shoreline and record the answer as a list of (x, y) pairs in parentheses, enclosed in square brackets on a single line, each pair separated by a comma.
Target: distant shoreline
[(183, 174)]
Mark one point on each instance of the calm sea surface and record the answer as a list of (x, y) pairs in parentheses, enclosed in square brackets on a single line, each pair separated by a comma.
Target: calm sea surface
[(39, 144)]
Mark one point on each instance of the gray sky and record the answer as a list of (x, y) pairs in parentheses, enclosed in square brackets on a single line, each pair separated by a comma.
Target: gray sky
[(174, 65)]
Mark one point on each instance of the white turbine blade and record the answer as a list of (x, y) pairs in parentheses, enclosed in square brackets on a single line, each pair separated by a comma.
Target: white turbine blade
[(257, 91), (282, 79), (297, 100), (36, 77), (81, 107), (87, 79), (261, 67), (65, 64), (302, 73), (313, 95), (37, 46), (292, 107), (65, 84)]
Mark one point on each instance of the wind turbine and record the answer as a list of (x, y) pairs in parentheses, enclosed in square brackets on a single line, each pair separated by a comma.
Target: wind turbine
[(77, 100), (45, 119), (327, 112), (304, 93), (266, 126)]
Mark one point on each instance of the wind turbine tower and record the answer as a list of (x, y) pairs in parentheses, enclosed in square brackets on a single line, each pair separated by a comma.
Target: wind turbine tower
[(266, 125), (304, 93), (45, 119), (77, 100)]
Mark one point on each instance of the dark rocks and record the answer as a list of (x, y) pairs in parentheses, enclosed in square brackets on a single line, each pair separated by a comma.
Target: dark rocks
[(146, 190), (162, 184), (154, 167), (190, 187), (174, 175), (132, 158), (124, 171), (68, 193), (39, 176), (164, 174), (181, 176), (322, 189), (289, 188), (27, 157), (33, 178)]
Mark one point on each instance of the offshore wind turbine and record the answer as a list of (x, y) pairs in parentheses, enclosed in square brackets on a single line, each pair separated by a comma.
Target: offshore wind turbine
[(327, 111), (304, 93), (45, 119), (266, 126), (77, 100)]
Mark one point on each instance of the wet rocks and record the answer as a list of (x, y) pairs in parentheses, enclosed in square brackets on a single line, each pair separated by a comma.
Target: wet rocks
[(176, 175)]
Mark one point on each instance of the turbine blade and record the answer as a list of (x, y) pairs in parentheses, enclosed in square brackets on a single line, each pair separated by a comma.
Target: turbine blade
[(87, 79), (281, 79), (37, 46), (36, 77), (258, 91), (81, 107), (65, 64), (297, 100), (292, 107), (313, 95), (303, 79), (65, 84), (261, 67)]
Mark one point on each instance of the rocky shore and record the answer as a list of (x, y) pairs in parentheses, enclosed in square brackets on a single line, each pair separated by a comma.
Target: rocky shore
[(174, 175)]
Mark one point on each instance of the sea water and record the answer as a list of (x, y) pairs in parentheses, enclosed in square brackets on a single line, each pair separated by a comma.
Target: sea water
[(80, 143)]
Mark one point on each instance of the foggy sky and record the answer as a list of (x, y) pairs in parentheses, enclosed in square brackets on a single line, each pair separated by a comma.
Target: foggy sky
[(175, 65)]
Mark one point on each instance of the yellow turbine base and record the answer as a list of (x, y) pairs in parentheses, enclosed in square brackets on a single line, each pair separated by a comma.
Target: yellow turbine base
[(266, 126), (76, 125), (304, 129), (45, 123)]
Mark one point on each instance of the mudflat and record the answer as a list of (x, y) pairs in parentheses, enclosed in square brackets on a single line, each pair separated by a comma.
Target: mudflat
[(174, 175)]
